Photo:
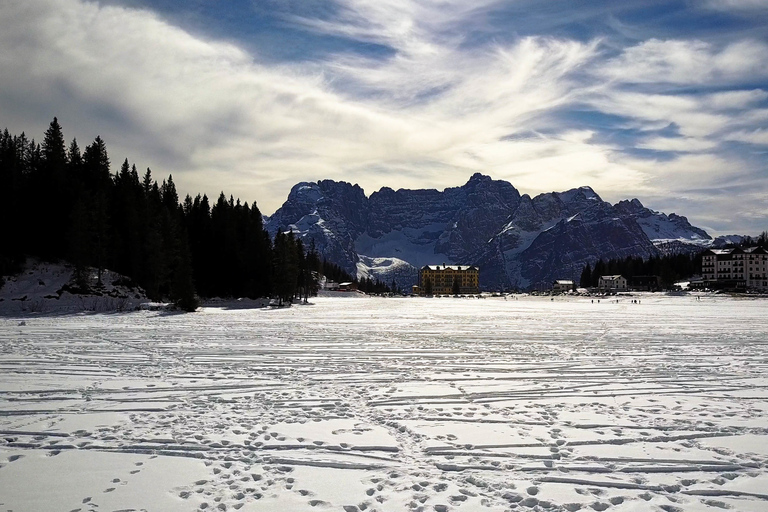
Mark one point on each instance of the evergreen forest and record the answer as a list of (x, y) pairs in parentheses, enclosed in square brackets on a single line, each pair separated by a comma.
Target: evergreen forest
[(670, 268), (64, 203)]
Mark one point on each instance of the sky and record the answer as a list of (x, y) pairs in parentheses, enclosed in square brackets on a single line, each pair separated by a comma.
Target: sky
[(666, 101)]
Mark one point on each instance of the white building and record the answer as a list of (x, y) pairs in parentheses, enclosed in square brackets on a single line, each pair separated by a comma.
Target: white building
[(735, 268), (612, 284), (562, 286)]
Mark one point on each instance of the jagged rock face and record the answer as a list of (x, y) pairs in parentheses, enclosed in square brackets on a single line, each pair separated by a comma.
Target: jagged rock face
[(333, 214), (517, 241), (428, 226), (662, 227), (485, 207), (563, 250), (554, 235)]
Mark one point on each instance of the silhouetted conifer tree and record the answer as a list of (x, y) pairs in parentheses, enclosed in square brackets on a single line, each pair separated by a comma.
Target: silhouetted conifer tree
[(586, 277)]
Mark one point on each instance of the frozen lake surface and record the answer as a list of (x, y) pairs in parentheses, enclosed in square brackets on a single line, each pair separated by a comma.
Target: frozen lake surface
[(390, 404)]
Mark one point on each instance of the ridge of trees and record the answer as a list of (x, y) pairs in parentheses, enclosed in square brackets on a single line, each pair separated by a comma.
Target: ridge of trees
[(61, 203), (670, 267), (760, 240)]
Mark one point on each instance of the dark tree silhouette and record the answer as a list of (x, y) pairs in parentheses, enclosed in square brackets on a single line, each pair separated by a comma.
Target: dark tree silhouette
[(61, 203)]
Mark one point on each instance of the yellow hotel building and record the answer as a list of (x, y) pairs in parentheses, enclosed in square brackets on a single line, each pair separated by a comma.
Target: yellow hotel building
[(439, 279)]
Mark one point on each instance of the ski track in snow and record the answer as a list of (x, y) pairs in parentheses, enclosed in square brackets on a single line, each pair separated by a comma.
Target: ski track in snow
[(390, 404)]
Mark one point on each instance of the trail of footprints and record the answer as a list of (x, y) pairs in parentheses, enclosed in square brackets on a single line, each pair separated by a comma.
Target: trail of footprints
[(92, 503), (241, 473), (230, 434)]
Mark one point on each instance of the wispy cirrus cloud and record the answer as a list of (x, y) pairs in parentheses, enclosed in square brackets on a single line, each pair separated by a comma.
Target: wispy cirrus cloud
[(453, 93), (758, 136), (737, 5), (689, 62)]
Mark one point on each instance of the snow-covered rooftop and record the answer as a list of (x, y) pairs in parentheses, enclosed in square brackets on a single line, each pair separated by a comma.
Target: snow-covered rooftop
[(450, 267)]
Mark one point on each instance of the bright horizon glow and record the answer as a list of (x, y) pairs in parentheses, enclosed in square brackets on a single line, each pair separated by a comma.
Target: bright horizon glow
[(666, 102)]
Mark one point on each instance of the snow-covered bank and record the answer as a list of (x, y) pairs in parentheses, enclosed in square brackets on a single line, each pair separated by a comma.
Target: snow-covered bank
[(51, 288), (390, 405)]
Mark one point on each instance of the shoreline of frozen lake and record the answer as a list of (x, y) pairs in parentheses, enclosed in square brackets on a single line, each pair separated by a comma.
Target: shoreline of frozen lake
[(390, 404)]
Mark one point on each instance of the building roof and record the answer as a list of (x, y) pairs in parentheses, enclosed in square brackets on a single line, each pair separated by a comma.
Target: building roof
[(564, 281), (611, 278), (449, 267)]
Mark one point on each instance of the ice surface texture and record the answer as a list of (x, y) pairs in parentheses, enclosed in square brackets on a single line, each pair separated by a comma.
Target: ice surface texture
[(390, 404)]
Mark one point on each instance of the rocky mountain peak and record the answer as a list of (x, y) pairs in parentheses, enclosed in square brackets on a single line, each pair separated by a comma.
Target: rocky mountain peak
[(517, 240), (478, 177), (663, 228)]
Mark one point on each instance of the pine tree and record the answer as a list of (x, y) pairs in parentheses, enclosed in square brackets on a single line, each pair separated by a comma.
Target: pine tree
[(46, 182), (13, 215), (182, 288), (54, 151), (146, 182), (284, 267), (98, 183), (79, 238), (598, 272), (586, 277)]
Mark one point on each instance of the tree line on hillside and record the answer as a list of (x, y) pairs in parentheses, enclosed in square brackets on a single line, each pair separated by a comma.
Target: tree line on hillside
[(760, 241), (669, 268), (61, 203)]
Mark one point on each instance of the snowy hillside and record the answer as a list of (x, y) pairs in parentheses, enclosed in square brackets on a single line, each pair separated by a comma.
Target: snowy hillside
[(51, 288), (387, 270)]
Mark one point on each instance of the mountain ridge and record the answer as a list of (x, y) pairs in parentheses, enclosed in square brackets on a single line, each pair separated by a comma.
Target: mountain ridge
[(518, 241)]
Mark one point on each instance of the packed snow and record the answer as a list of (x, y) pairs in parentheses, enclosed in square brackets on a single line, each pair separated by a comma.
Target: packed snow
[(644, 402)]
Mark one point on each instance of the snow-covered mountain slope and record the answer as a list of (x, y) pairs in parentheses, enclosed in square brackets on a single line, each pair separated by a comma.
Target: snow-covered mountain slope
[(517, 241), (332, 213), (663, 228), (388, 270), (723, 240)]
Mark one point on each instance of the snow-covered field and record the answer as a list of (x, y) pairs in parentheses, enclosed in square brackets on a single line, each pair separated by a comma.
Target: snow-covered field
[(358, 404)]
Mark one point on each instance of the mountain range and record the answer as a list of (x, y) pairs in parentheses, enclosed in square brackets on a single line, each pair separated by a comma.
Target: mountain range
[(518, 241)]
